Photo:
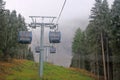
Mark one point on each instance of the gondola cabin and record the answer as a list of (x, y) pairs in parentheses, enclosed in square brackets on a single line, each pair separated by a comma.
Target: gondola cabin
[(37, 49), (25, 37), (52, 49), (54, 37)]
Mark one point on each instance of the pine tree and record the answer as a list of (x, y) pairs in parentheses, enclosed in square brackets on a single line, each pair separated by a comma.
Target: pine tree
[(115, 37), (100, 23), (1, 18), (2, 3), (78, 49), (2, 23)]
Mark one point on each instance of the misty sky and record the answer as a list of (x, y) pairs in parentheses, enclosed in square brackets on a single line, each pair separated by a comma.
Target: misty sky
[(74, 9), (75, 14)]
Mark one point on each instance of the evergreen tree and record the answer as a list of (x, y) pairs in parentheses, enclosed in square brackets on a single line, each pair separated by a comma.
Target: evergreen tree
[(78, 48), (96, 28), (1, 18), (99, 25), (115, 37), (2, 3), (101, 21), (2, 23), (102, 41), (10, 25)]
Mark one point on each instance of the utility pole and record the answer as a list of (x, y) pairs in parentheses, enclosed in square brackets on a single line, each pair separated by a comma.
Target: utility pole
[(42, 25)]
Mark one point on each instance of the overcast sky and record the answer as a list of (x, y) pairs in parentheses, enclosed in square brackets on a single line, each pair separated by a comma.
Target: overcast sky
[(73, 9)]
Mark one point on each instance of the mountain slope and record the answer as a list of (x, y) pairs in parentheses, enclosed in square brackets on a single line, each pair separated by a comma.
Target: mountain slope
[(28, 70)]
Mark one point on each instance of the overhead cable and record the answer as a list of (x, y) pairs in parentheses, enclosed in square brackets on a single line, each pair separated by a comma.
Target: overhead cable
[(61, 12)]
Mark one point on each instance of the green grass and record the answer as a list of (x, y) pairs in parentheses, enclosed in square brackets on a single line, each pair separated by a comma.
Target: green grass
[(25, 71), (28, 70), (60, 73)]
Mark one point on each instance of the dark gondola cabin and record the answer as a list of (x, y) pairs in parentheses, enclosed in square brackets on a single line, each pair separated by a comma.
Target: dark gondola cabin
[(52, 49), (37, 49), (25, 37), (54, 37)]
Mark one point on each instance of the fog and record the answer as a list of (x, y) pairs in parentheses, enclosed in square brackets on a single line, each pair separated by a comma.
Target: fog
[(75, 15), (64, 51)]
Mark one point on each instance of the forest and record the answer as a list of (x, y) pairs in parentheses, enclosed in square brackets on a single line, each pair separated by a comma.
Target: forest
[(10, 24), (97, 49)]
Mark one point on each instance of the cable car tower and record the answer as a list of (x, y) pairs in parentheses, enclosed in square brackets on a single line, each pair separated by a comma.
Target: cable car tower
[(54, 37), (42, 24)]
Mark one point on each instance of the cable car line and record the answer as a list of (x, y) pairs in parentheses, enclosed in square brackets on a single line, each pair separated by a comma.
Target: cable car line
[(61, 12)]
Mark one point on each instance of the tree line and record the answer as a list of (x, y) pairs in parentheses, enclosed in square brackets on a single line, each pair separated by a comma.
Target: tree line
[(97, 49), (10, 25)]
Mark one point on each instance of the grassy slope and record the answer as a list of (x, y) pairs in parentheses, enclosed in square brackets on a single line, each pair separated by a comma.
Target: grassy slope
[(28, 70)]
